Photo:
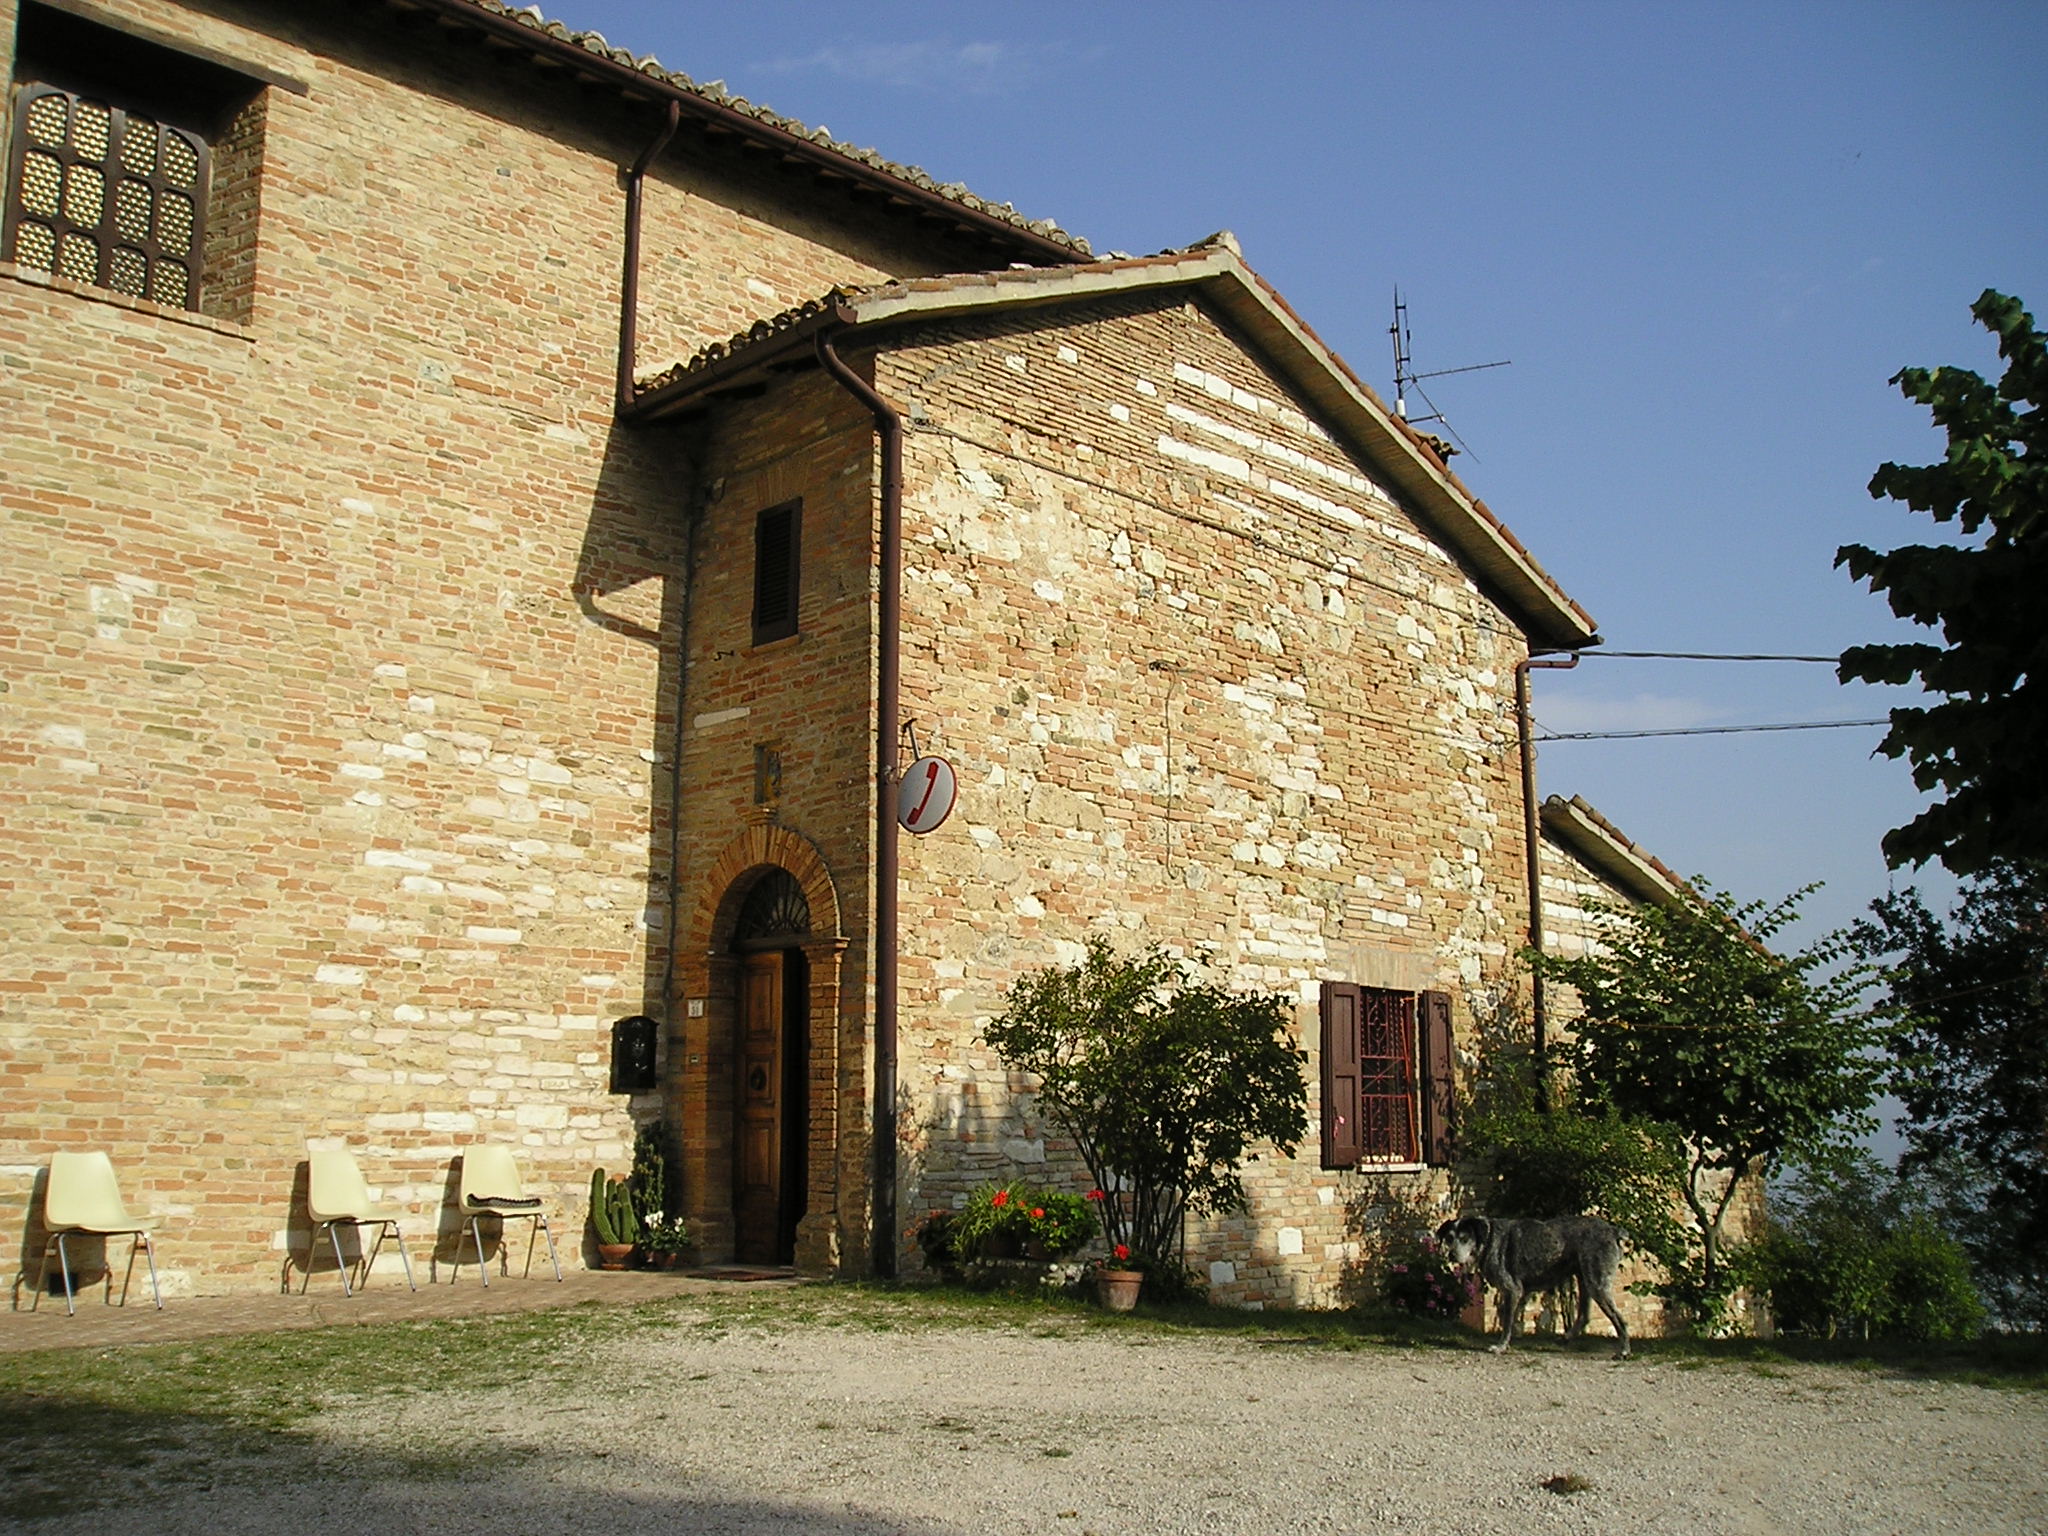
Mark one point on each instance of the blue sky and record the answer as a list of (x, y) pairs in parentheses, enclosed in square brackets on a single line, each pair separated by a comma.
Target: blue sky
[(1706, 237)]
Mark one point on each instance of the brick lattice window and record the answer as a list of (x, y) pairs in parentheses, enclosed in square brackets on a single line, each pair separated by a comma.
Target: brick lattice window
[(104, 196)]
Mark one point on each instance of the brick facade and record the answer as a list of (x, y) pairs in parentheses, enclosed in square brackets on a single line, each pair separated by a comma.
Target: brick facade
[(370, 685), (333, 742)]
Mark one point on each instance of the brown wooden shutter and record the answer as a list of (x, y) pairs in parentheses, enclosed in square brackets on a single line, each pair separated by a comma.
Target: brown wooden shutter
[(777, 554), (1342, 1126), (1439, 1079)]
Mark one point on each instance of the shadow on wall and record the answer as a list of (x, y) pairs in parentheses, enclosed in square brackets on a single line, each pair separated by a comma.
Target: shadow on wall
[(631, 580), (977, 1142), (1386, 1219)]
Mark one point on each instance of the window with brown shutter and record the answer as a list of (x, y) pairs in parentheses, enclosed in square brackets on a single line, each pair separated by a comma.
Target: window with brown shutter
[(1341, 1143), (1388, 1076), (1387, 1099), (777, 566)]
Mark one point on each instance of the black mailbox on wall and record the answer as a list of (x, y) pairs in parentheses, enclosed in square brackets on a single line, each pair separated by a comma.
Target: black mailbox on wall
[(633, 1054)]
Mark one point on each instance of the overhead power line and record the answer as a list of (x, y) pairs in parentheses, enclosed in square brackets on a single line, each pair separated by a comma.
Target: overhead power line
[(1707, 730), (1597, 652)]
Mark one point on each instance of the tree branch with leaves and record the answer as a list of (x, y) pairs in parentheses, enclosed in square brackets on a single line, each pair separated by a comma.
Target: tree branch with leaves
[(1166, 1082), (1982, 747), (1692, 1021)]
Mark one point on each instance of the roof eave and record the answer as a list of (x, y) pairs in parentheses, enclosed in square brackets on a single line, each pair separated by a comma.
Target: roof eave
[(1547, 615), (1601, 847), (506, 32)]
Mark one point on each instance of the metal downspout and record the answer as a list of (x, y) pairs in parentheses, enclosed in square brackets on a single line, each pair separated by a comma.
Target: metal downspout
[(1532, 837), (888, 688), (629, 283)]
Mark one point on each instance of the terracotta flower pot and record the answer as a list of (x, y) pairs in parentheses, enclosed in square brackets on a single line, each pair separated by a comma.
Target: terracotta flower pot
[(613, 1255), (1117, 1289)]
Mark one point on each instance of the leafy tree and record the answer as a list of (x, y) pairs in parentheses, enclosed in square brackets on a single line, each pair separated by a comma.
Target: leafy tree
[(1854, 1249), (1984, 745), (1571, 1155), (1165, 1083), (1693, 1023), (1970, 1001)]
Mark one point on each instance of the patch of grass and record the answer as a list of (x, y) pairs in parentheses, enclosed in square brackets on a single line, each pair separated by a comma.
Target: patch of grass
[(1567, 1484)]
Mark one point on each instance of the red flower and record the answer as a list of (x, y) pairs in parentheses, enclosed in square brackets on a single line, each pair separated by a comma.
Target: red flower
[(1123, 1250), (1001, 1197), (1038, 1213), (1096, 1194)]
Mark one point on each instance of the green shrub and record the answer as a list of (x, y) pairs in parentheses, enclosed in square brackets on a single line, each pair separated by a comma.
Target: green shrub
[(993, 1210), (1850, 1253), (1423, 1282)]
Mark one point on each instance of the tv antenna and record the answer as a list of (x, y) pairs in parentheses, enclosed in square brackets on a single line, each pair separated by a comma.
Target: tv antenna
[(1405, 375)]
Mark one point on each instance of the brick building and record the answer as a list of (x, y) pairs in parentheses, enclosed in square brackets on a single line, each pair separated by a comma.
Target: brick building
[(404, 679)]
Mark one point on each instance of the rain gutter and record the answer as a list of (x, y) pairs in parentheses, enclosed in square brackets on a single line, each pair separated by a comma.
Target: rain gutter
[(888, 690), (1532, 837), (629, 282)]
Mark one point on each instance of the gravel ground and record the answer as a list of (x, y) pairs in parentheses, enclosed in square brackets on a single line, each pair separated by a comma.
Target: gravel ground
[(719, 1427)]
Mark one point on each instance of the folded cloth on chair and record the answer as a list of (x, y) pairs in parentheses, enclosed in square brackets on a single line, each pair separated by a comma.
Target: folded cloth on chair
[(504, 1203)]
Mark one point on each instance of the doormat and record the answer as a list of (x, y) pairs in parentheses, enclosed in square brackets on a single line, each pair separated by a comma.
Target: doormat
[(738, 1273)]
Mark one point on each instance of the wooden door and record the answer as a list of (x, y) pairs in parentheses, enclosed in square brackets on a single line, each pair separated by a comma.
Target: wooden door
[(757, 1166)]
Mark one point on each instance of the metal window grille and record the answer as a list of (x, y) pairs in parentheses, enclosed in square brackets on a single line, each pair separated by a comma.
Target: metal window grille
[(1387, 1096), (103, 196)]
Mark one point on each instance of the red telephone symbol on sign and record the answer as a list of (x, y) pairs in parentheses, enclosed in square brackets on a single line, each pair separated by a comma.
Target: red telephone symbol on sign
[(927, 794)]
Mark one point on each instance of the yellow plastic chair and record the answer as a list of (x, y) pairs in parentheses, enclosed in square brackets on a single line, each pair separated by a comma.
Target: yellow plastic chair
[(491, 1187), (336, 1196), (83, 1196)]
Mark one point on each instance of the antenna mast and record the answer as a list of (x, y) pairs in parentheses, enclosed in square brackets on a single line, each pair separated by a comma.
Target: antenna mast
[(1405, 374)]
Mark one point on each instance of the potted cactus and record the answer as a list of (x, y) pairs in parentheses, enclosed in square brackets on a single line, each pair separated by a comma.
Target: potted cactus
[(613, 1219)]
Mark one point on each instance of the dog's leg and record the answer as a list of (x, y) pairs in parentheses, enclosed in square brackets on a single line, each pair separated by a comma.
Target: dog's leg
[(1584, 1287), (1510, 1314), (1604, 1294)]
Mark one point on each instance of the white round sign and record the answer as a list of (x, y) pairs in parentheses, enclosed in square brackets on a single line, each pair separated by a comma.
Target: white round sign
[(925, 797)]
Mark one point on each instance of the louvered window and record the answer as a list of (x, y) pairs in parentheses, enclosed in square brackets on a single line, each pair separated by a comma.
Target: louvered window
[(108, 197), (777, 566), (1388, 1083)]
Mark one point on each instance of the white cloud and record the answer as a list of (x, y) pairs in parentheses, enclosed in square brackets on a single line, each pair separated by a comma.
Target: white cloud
[(1636, 712), (931, 64)]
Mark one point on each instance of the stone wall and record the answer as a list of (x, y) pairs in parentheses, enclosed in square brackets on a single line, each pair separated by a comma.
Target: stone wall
[(1205, 682), (336, 762)]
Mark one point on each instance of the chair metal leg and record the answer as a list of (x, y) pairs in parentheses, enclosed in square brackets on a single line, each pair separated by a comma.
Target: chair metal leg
[(543, 1221), (399, 1238), (149, 1251), (370, 1258), (532, 1237), (477, 1233), (340, 1266), (64, 1264), (43, 1271)]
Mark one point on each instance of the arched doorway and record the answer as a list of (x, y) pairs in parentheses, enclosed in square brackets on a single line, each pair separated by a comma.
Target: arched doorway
[(771, 1099)]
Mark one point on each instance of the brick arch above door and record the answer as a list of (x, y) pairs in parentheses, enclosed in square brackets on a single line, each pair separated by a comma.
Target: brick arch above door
[(717, 911)]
